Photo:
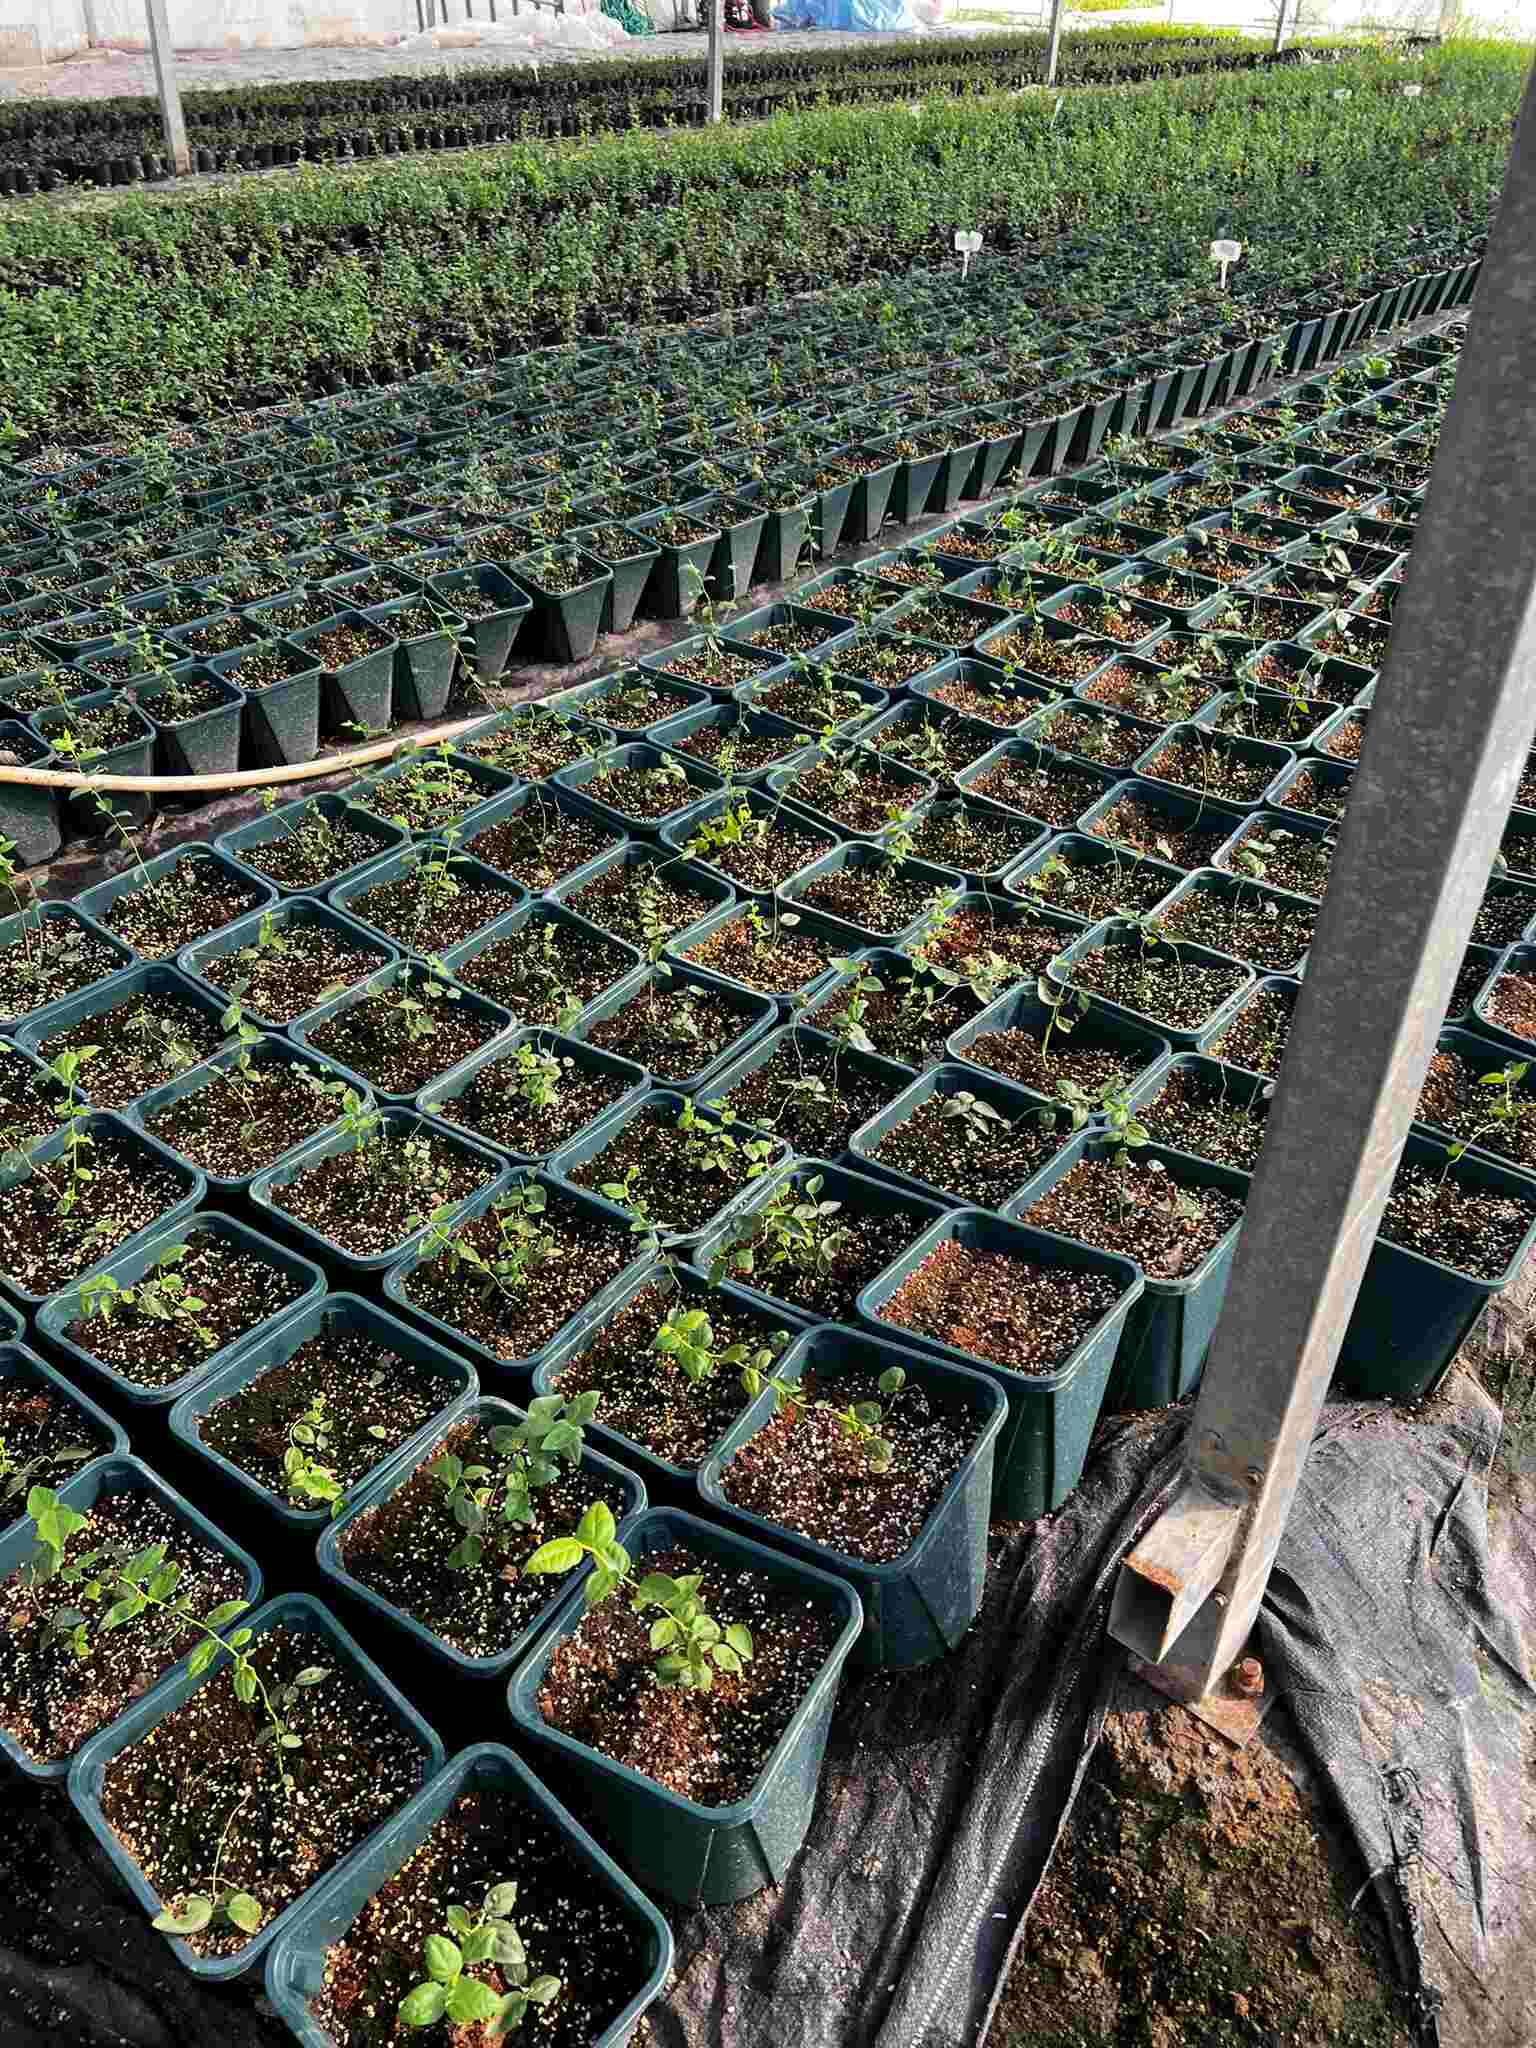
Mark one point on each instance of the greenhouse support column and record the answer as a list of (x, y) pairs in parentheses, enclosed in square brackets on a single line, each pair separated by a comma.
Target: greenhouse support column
[(1280, 27), (1450, 727), (171, 117), (716, 59), (1053, 53)]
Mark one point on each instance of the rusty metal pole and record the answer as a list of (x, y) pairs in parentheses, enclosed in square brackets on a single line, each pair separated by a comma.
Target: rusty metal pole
[(1450, 727), (172, 120)]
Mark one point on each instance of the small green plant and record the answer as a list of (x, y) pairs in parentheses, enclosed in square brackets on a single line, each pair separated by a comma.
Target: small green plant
[(162, 1296), (1066, 1003), (1504, 1112), (524, 1243), (308, 1478), (491, 1502), (979, 1120), (794, 1228), (848, 1022), (687, 1338), (709, 1147), (16, 1477), (448, 1992)]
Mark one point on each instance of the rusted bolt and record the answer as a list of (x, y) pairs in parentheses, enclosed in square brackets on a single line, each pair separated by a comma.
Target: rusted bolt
[(1248, 1679)]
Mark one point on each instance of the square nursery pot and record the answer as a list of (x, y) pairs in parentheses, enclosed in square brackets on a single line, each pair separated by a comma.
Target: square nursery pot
[(78, 813), (679, 1063), (634, 853), (153, 1404), (498, 1023), (304, 1616), (937, 882), (701, 782), (663, 1107), (460, 960), (147, 982), (1119, 934), (628, 573), (268, 1048), (762, 804), (702, 1855), (350, 1268), (494, 608), (1043, 1445), (831, 937), (401, 1640), (296, 913), (1008, 1098), (566, 620), (921, 1604), (424, 663), (99, 1434), (1259, 755), (296, 1961), (492, 1366), (206, 743), (107, 1479), (29, 817), (1244, 894), (1162, 1350), (627, 1077), (1519, 959), (281, 726), (245, 1500), (1235, 1084), (50, 928), (602, 699), (1413, 1313), (288, 818), (251, 893), (828, 628), (1081, 850), (345, 900), (681, 568), (378, 794)]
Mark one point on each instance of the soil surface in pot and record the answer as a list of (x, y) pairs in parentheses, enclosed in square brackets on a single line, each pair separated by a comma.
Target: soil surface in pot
[(990, 951), (680, 1179), (1107, 737), (1069, 660), (1140, 1208), (354, 1766), (1191, 1113), (1284, 720), (41, 1250), (836, 1258), (428, 796), (939, 743), (1157, 983), (1049, 789), (855, 789), (646, 1396), (811, 698), (959, 834), (909, 1017), (49, 960), (670, 1026), (533, 745), (713, 667), (140, 1041), (1261, 930), (1503, 915), (1455, 1099), (1318, 798), (1286, 860), (640, 901), (572, 1257), (50, 1700), (636, 702), (314, 851), (811, 1093), (44, 1440), (1256, 1036), (758, 850), (242, 1122), (1145, 827), (370, 1037), (1511, 1004), (650, 793), (876, 895), (530, 1109), (570, 1927), (778, 958), (205, 1293), (735, 749), (1211, 767), (1475, 1230), (955, 1145), (371, 1400), (290, 969), (540, 844), (804, 1471), (1160, 694), (545, 971), (432, 909), (1028, 1317), (709, 1746), (1092, 889), (370, 1198), (400, 1548)]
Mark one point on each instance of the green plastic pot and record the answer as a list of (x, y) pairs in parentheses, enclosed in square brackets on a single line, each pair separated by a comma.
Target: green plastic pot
[(78, 813), (292, 1611), (696, 1854), (682, 567), (348, 900), (1241, 891), (295, 1970), (629, 574), (275, 825), (662, 1107), (301, 913), (632, 853), (281, 720), (920, 1605), (29, 817), (676, 1065), (627, 1076), (360, 692), (208, 743), (1011, 1101), (1119, 934), (424, 662), (497, 1022), (1413, 1314), (493, 635), (401, 1639), (1041, 1450), (1519, 959), (101, 1435), (1164, 1344), (49, 925), (1236, 1084), (567, 621), (110, 1478)]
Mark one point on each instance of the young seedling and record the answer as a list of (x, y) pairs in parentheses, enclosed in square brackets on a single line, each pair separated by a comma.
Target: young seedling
[(162, 1296), (309, 1480), (848, 1022), (491, 1502), (793, 1228), (448, 1992), (524, 1244), (1505, 1111)]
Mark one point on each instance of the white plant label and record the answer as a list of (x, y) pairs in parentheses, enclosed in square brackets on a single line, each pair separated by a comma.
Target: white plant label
[(1411, 92), (1343, 93), (1225, 253), (967, 242)]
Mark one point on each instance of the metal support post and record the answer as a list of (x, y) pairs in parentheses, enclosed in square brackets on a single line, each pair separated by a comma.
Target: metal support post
[(171, 117), (1053, 52), (716, 69), (1279, 43), (1450, 728)]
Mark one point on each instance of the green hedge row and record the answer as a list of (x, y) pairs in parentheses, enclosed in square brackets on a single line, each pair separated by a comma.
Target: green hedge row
[(183, 306)]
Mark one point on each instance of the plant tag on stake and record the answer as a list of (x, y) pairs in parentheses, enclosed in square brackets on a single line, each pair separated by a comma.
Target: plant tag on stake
[(1225, 253), (967, 242)]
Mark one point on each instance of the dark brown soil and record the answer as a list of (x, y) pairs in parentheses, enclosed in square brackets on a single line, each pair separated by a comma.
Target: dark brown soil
[(1285, 720), (733, 749), (315, 854), (1473, 1229), (1145, 827), (1470, 977), (354, 1767), (238, 1292), (939, 743), (1160, 983), (1107, 737), (1511, 1003), (534, 745), (141, 1041), (46, 962), (876, 896), (422, 919), (970, 938), (243, 1124), (1190, 1113), (427, 796), (859, 1244), (545, 971), (714, 668), (629, 897), (910, 1018), (1256, 1036), (803, 1471), (994, 706), (44, 1440), (42, 1251), (812, 699), (301, 967), (1028, 1317), (1058, 661), (1247, 924), (1052, 791), (368, 1036), (653, 794), (514, 1319), (1211, 766), (1504, 915), (1519, 847), (1150, 694), (572, 1930), (50, 1701), (781, 960), (857, 790), (980, 1162), (956, 833), (774, 848), (1137, 1207), (373, 1400), (674, 1029), (1288, 860), (399, 1549), (888, 663), (705, 1746), (1454, 1099), (539, 845), (811, 1093), (683, 1178), (1093, 889), (494, 1107), (1308, 792), (26, 1100), (370, 1198), (635, 702)]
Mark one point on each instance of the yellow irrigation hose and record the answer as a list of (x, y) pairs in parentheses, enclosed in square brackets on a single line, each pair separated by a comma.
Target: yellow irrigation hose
[(249, 778)]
